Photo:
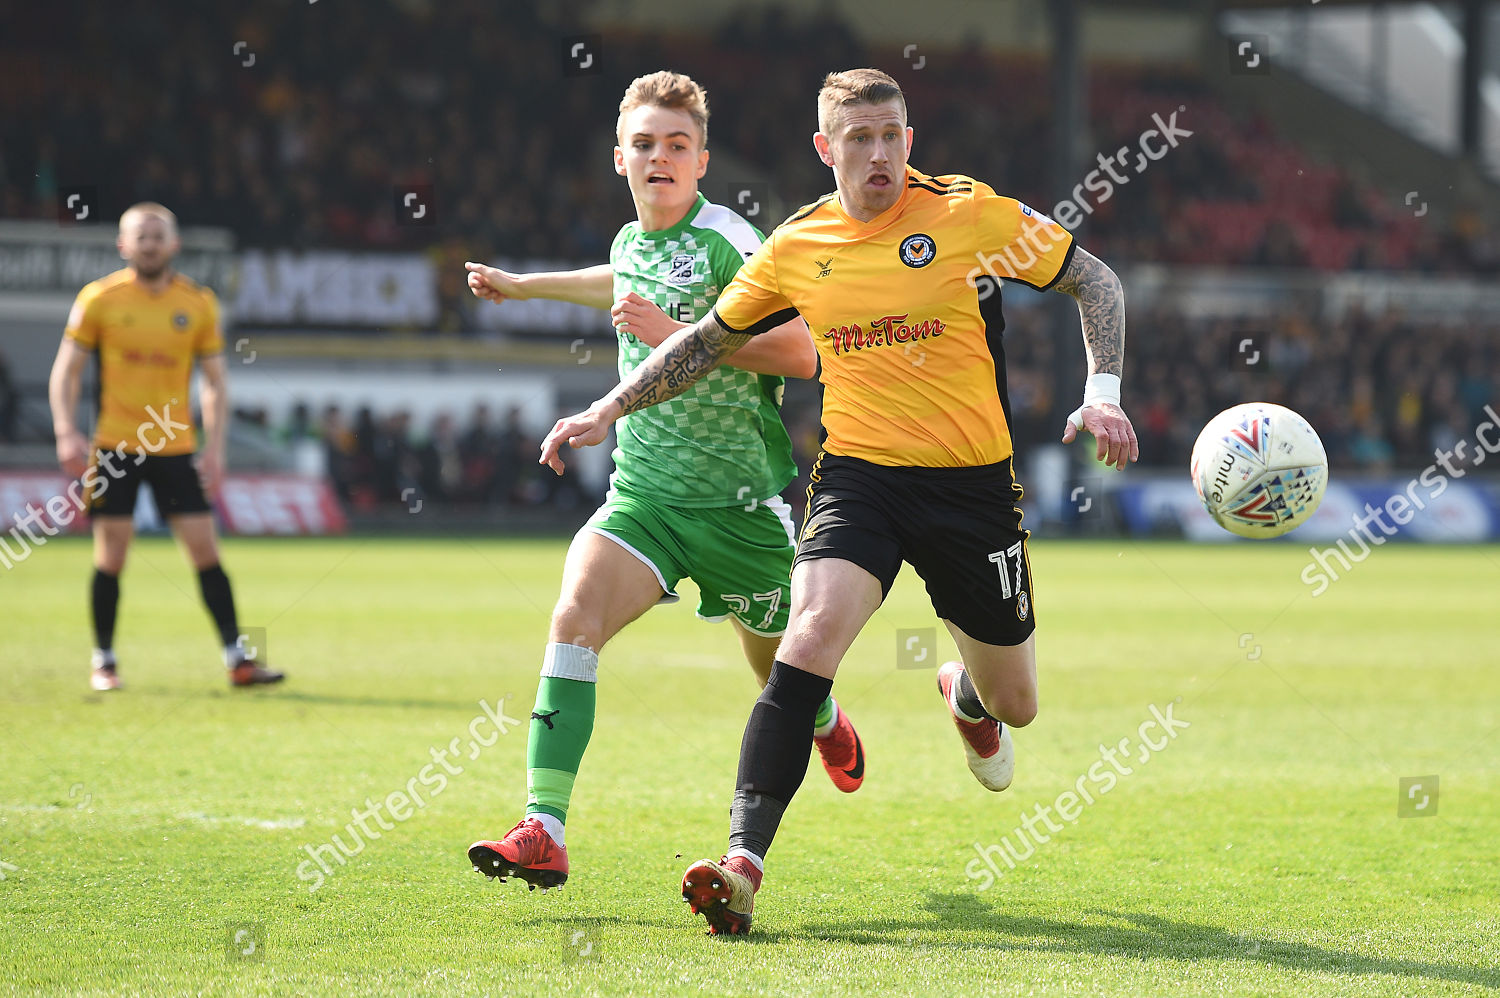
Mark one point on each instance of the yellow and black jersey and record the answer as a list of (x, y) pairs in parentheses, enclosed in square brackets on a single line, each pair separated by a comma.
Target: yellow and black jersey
[(147, 342), (905, 320)]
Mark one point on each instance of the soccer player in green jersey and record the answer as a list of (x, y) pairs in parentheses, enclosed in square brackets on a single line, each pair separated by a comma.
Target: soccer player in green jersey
[(696, 482)]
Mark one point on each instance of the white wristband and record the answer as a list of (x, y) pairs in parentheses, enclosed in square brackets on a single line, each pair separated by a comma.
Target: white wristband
[(1099, 388)]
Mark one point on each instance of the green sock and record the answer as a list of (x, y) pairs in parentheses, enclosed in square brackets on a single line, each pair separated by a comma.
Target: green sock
[(823, 720), (561, 724)]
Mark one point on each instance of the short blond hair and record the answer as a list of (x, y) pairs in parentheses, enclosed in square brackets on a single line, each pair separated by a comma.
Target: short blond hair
[(142, 209), (855, 86), (670, 90)]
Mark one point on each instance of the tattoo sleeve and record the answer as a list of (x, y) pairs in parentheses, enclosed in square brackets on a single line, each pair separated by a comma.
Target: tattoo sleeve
[(686, 356), (1101, 307)]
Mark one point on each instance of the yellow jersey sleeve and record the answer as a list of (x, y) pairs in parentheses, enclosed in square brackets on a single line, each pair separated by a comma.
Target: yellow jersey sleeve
[(83, 320), (753, 302), (1019, 243), (209, 338)]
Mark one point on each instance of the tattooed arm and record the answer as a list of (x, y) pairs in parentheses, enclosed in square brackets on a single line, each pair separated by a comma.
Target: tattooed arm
[(682, 359), (1101, 308)]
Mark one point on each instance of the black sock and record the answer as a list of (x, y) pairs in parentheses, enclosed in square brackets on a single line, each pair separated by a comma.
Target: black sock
[(106, 599), (220, 601), (774, 755), (968, 699)]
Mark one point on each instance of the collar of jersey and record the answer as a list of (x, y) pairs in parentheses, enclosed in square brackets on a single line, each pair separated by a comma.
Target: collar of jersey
[(886, 217), (692, 213)]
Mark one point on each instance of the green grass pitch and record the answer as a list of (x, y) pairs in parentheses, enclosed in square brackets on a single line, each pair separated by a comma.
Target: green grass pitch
[(151, 839)]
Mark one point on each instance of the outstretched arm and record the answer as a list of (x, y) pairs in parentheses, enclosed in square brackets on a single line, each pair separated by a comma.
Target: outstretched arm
[(592, 286), (685, 357), (786, 351), (1101, 309)]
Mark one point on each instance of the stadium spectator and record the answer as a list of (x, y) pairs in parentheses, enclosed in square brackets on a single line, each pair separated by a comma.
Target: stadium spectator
[(440, 462), (306, 147), (9, 399), (1385, 405)]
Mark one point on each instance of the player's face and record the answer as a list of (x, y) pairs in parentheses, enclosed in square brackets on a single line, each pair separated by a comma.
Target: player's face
[(661, 157), (867, 150), (148, 244)]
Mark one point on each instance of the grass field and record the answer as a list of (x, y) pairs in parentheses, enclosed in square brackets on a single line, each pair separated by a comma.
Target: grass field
[(152, 838)]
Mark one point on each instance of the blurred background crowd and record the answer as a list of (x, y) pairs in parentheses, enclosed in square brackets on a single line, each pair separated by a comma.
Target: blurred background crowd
[(1382, 393), (304, 147)]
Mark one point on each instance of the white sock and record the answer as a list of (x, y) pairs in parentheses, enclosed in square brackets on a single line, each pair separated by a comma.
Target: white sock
[(102, 657), (551, 824), (564, 661), (824, 730), (233, 656), (760, 864)]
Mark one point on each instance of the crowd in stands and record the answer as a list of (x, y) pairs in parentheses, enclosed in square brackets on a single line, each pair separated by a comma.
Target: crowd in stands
[(301, 135), (376, 460), (1383, 393)]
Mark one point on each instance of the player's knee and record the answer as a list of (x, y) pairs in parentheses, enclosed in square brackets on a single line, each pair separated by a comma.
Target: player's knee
[(806, 640), (1019, 711), (110, 556), (575, 624)]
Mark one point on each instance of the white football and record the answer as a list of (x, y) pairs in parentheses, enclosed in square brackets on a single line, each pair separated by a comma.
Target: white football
[(1260, 469)]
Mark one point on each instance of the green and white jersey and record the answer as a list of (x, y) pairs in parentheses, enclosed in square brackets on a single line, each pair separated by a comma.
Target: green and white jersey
[(722, 441)]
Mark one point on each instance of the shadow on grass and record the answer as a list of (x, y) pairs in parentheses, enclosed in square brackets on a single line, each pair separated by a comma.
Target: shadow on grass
[(1131, 934), (282, 694)]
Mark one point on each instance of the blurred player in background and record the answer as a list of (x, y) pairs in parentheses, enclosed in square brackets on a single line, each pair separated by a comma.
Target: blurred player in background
[(696, 482), (148, 324), (917, 462)]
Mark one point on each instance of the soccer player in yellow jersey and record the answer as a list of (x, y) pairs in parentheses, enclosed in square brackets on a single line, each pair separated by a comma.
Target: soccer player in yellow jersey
[(148, 324), (896, 274)]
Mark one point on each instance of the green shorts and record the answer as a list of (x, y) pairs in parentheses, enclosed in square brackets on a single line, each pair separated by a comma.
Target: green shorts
[(741, 559)]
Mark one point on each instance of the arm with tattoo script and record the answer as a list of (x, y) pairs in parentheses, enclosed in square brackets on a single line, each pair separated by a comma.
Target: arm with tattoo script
[(682, 359)]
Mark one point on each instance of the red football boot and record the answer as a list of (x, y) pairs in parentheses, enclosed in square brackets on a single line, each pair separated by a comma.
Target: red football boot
[(528, 852), (251, 673), (843, 754), (723, 893), (987, 744)]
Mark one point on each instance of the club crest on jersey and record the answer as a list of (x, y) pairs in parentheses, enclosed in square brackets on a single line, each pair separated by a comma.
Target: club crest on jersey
[(180, 320), (1023, 605), (680, 271), (917, 250)]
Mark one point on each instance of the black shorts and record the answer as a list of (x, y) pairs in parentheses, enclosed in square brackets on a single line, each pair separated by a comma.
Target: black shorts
[(112, 483), (960, 528)]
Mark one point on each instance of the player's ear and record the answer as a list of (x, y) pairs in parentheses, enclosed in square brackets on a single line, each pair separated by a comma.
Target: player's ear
[(620, 161), (909, 136), (702, 163), (825, 153), (120, 245)]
